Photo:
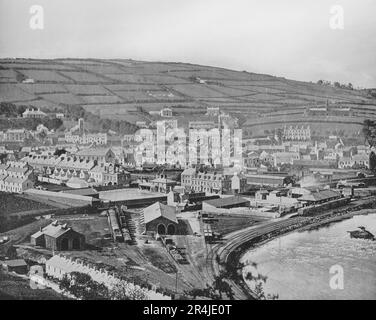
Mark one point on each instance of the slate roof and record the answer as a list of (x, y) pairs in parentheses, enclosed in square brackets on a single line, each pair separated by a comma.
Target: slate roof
[(162, 180), (157, 210), (55, 231), (267, 176), (225, 202), (93, 152), (3, 166), (361, 157), (15, 180), (189, 171), (320, 196), (14, 263)]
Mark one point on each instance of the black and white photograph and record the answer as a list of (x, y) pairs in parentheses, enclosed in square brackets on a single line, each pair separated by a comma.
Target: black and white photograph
[(201, 151)]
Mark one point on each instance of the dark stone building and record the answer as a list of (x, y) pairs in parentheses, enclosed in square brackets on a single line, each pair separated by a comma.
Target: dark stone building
[(57, 237)]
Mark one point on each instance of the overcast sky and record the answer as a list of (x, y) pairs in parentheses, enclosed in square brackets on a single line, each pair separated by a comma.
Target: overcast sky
[(289, 38)]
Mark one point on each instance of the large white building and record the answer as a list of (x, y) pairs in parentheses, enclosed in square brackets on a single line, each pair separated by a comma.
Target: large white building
[(14, 135), (360, 160), (31, 113), (296, 133), (210, 182)]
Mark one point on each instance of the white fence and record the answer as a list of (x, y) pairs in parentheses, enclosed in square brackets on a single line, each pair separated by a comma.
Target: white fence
[(60, 265)]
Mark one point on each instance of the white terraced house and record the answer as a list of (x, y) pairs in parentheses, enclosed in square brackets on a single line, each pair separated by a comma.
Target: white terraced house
[(97, 138), (82, 166), (15, 135), (15, 177), (212, 182)]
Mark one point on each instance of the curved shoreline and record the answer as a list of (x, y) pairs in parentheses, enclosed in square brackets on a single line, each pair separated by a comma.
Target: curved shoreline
[(241, 241), (310, 227)]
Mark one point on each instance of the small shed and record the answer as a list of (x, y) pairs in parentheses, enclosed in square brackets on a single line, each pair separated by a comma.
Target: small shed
[(18, 265), (225, 203)]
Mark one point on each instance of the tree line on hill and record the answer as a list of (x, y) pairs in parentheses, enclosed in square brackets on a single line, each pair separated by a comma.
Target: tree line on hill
[(371, 93), (12, 119), (369, 132), (103, 125), (11, 110), (336, 84)]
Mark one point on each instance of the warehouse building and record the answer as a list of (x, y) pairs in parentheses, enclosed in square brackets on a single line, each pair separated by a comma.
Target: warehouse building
[(159, 218), (319, 197), (210, 182), (267, 179)]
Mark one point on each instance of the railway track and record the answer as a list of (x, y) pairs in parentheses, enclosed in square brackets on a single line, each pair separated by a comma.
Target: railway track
[(220, 253), (234, 241)]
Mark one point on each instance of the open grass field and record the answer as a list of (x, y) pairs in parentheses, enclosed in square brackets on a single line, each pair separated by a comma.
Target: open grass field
[(21, 233), (11, 203), (116, 88), (16, 288), (95, 228), (18, 211)]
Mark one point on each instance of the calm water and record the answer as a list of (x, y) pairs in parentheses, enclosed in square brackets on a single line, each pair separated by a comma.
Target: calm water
[(297, 265)]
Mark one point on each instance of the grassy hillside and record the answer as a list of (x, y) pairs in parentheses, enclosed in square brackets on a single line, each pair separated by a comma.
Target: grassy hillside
[(121, 88)]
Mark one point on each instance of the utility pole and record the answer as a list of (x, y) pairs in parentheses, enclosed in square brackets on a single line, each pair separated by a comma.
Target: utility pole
[(176, 282)]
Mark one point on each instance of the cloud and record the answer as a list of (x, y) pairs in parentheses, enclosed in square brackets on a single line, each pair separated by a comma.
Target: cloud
[(290, 38)]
